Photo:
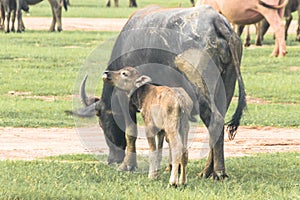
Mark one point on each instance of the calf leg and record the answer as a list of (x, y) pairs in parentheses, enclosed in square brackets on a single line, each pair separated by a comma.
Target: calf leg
[(129, 163), (155, 152), (177, 148), (183, 166)]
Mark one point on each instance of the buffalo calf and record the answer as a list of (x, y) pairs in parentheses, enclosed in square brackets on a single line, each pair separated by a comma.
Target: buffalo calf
[(166, 112)]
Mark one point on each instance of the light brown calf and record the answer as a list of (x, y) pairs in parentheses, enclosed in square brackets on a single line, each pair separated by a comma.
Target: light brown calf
[(166, 112)]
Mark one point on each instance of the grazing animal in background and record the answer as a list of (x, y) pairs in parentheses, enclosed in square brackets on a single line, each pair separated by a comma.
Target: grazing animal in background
[(263, 25), (166, 112), (252, 11), (292, 6), (193, 48), (9, 10), (132, 3), (56, 6), (2, 15)]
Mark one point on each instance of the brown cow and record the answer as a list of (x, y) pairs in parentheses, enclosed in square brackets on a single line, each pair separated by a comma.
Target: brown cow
[(263, 25), (292, 6), (253, 11), (166, 112)]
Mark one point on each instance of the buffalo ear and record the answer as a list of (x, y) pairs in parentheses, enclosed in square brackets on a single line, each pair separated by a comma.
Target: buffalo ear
[(142, 80)]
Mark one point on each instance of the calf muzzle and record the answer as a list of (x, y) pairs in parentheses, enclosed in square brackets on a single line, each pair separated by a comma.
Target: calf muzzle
[(106, 76)]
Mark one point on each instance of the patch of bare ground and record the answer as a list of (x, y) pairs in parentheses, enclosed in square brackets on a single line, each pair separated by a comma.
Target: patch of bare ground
[(294, 68), (34, 143), (253, 100), (28, 95)]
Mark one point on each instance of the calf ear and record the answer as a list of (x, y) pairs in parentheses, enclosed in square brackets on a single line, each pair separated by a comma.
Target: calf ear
[(142, 80)]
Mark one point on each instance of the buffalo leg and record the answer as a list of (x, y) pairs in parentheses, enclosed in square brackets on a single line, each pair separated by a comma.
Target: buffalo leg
[(116, 3), (288, 21), (215, 164), (13, 19), (298, 30), (263, 27), (248, 38), (7, 19), (108, 3), (56, 16), (132, 3)]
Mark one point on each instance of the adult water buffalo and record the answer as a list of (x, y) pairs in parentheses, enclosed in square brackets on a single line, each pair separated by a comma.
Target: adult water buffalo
[(56, 12), (9, 10), (193, 48), (252, 11)]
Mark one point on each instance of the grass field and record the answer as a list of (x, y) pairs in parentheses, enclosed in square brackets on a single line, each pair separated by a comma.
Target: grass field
[(38, 72), (97, 9), (263, 176), (40, 68)]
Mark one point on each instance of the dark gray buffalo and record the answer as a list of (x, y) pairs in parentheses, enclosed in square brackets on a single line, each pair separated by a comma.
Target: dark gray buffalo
[(193, 48)]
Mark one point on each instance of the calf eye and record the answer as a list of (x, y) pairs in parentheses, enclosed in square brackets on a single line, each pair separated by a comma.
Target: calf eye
[(124, 74)]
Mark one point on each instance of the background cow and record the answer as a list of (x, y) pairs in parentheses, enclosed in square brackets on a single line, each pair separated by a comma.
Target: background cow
[(263, 25), (9, 10), (252, 11)]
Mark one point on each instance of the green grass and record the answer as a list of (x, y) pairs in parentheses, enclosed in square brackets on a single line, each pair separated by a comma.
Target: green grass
[(97, 9), (262, 176), (41, 68), (44, 69)]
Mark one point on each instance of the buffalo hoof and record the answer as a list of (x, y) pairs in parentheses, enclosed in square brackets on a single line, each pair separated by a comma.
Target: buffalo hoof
[(247, 44), (154, 175), (125, 167), (220, 175)]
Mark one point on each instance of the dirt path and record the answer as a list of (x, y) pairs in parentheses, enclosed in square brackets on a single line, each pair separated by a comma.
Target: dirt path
[(100, 24), (32, 143), (81, 24)]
